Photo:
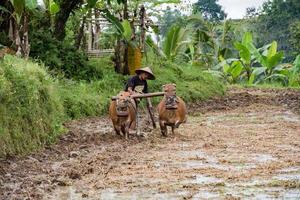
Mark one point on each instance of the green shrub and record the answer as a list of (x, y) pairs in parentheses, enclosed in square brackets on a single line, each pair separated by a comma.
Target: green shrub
[(83, 98), (30, 108), (62, 58)]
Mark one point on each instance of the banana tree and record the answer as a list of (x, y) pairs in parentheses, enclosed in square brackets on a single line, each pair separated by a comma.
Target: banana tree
[(270, 68), (238, 69), (210, 42), (175, 42), (202, 47), (123, 34), (244, 48), (129, 13), (294, 73), (18, 31), (232, 69)]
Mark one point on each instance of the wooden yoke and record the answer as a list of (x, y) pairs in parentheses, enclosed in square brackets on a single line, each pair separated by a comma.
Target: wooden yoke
[(146, 95), (149, 104)]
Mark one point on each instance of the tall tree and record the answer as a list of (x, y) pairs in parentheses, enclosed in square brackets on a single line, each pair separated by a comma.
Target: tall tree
[(277, 21), (210, 10), (170, 18), (17, 14), (61, 18)]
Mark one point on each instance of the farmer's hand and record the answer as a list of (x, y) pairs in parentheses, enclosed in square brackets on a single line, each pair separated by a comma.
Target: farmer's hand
[(131, 92), (138, 100)]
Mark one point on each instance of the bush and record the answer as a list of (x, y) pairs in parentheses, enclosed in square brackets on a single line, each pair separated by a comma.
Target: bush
[(30, 109), (83, 98), (62, 58)]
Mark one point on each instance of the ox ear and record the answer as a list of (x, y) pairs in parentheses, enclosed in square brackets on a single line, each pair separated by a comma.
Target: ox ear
[(163, 87), (174, 84)]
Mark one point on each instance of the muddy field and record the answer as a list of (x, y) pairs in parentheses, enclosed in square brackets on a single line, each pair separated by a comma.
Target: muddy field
[(245, 145)]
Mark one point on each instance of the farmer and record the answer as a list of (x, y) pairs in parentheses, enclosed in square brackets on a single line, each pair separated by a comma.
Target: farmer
[(138, 82)]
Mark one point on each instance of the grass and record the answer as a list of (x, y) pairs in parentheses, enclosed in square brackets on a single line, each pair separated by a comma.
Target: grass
[(30, 108), (192, 84), (272, 85), (34, 105)]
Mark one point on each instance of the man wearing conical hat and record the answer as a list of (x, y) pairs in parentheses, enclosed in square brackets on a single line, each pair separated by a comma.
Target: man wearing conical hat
[(138, 83)]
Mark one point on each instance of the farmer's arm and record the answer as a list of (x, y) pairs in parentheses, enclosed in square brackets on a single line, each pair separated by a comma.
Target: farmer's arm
[(130, 90), (145, 90), (130, 85)]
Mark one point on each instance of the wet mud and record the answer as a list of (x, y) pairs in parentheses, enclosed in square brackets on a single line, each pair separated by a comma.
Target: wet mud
[(245, 145)]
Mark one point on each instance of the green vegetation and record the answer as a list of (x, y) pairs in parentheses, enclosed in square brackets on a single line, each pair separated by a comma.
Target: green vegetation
[(210, 10), (278, 20), (31, 110), (258, 65)]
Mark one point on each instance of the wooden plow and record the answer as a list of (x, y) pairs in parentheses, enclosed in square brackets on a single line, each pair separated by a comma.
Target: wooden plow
[(149, 104)]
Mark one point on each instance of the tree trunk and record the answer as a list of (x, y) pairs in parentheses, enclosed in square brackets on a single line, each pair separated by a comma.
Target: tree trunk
[(142, 26), (24, 37), (14, 35), (18, 33), (90, 37), (125, 45), (125, 10), (117, 58), (125, 59), (133, 37), (97, 29), (80, 33), (5, 23), (61, 18)]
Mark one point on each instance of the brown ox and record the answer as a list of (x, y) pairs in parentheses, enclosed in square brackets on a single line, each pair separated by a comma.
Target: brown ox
[(122, 112), (171, 110)]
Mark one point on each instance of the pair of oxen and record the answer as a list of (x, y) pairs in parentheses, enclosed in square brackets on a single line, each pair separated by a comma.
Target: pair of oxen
[(171, 111)]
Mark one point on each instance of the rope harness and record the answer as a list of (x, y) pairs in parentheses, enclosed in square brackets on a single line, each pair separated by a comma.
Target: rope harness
[(123, 105), (171, 102)]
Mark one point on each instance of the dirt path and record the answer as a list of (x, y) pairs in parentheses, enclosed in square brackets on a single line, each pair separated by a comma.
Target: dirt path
[(242, 146)]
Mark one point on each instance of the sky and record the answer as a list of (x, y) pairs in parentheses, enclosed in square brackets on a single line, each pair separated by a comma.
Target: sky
[(235, 9)]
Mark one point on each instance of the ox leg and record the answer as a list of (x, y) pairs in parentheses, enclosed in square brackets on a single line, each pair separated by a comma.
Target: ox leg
[(123, 129), (177, 124), (163, 128), (173, 128), (117, 130), (126, 133), (126, 130)]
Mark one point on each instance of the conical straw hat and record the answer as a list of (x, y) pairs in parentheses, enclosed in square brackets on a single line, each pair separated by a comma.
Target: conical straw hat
[(147, 70)]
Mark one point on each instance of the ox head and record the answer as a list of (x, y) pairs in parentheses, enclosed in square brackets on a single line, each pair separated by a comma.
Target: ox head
[(123, 102), (170, 95)]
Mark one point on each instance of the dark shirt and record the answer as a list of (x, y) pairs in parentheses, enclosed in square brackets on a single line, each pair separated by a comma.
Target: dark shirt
[(135, 81)]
